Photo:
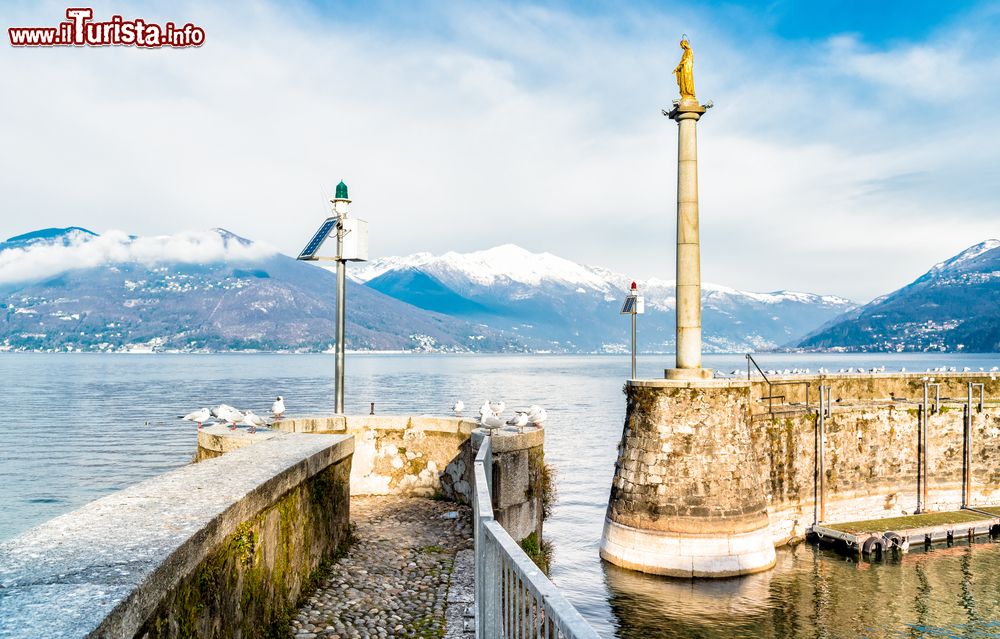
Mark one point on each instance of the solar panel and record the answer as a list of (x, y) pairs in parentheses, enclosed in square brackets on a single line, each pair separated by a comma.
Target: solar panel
[(309, 252), (629, 306)]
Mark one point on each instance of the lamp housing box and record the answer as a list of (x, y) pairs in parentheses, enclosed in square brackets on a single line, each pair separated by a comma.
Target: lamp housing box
[(640, 304), (355, 242)]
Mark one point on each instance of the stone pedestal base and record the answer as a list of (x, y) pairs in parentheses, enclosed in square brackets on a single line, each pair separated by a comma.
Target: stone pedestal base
[(688, 497), (687, 555), (688, 373)]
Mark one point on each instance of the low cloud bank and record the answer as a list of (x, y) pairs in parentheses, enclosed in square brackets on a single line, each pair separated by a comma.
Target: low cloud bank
[(47, 259)]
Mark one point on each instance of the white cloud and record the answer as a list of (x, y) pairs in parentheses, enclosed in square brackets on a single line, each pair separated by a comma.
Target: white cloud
[(478, 125), (46, 259)]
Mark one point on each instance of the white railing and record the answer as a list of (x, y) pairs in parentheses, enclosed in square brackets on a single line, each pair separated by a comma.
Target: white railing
[(514, 599)]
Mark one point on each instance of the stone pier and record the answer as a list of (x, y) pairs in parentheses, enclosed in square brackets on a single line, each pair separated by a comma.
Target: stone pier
[(688, 497)]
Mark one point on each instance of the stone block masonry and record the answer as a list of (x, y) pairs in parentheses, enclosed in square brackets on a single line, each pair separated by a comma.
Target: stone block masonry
[(422, 456), (707, 476), (688, 496), (427, 456), (870, 451)]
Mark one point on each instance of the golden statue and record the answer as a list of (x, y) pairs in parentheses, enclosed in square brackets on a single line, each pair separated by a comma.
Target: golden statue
[(685, 72)]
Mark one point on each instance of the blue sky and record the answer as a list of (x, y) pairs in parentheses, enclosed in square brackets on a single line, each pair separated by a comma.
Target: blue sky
[(851, 146)]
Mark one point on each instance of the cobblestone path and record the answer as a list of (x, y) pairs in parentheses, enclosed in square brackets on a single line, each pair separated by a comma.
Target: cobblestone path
[(399, 575)]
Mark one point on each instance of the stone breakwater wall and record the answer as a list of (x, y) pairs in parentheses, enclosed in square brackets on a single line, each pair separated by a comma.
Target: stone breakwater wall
[(870, 449), (521, 481), (425, 456), (420, 456), (687, 498), (707, 474), (220, 548)]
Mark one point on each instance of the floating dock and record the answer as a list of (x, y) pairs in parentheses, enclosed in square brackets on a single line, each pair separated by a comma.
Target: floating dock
[(874, 538)]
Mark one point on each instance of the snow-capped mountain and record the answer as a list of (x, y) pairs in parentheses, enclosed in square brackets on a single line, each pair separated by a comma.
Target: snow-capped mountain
[(71, 289), (573, 307), (951, 307)]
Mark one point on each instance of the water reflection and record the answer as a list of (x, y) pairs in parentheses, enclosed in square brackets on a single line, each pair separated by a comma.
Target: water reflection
[(645, 604), (812, 592)]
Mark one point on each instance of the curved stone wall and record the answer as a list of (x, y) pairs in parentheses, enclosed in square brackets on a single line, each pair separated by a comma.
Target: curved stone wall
[(426, 456), (688, 494), (220, 548), (706, 475)]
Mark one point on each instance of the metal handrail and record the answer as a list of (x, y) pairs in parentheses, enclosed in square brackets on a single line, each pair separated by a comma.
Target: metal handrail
[(514, 599), (770, 387)]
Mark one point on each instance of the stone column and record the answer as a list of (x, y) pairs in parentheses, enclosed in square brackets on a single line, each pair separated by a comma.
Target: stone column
[(688, 310)]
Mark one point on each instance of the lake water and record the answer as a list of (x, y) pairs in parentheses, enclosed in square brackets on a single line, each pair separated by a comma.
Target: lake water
[(79, 426)]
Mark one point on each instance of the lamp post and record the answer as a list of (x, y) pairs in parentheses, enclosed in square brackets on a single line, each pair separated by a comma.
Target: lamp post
[(634, 305), (352, 246)]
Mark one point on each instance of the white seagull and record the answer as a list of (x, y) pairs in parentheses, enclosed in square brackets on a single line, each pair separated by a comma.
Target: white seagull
[(225, 412), (458, 407), (199, 416), (252, 420), (278, 407), (537, 415), (491, 421), (520, 420), (497, 408), (228, 414)]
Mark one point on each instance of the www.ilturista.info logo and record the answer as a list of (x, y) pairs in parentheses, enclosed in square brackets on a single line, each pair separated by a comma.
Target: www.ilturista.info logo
[(80, 30)]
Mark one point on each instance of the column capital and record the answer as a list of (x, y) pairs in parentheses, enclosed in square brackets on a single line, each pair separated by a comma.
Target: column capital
[(686, 110)]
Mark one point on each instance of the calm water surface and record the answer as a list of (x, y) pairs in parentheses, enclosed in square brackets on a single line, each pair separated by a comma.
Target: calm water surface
[(79, 426)]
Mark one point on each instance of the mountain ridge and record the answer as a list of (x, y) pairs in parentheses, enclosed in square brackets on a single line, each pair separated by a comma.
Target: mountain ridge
[(950, 307), (575, 306)]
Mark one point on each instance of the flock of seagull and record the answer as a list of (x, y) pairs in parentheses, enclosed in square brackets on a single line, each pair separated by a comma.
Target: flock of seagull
[(491, 415), (879, 369), (234, 418)]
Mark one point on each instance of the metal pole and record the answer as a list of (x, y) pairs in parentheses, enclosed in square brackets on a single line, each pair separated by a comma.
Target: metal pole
[(923, 436), (965, 457), (822, 455), (633, 345), (341, 293), (967, 462), (921, 427)]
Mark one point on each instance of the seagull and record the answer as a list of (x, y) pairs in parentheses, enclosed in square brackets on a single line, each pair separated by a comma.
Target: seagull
[(227, 413), (537, 415), (278, 407), (199, 416), (491, 421), (497, 408), (458, 407), (485, 410), (520, 419), (252, 420), (234, 417)]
